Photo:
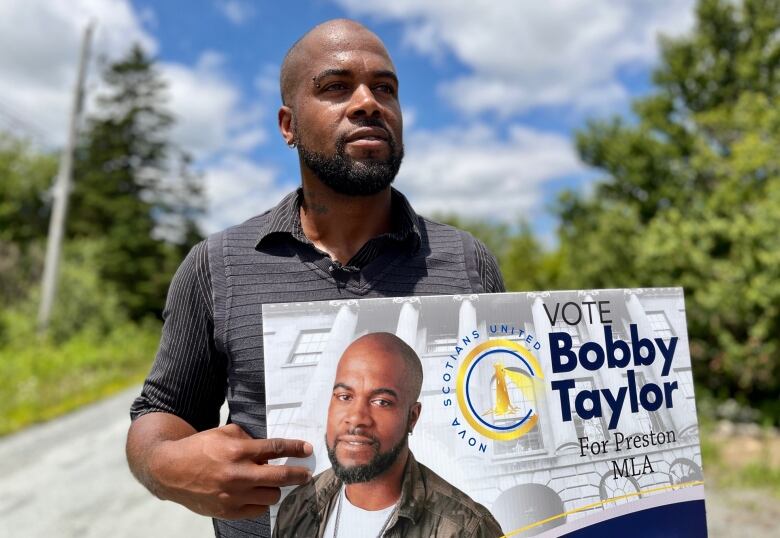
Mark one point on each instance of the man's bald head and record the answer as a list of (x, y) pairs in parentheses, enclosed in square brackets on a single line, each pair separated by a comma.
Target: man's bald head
[(332, 34), (382, 345)]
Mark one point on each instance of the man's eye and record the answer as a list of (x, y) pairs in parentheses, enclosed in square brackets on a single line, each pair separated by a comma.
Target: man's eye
[(382, 403), (343, 397), (335, 87), (386, 88)]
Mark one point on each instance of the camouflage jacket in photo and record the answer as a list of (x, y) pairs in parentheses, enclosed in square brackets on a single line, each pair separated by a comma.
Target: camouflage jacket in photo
[(430, 507)]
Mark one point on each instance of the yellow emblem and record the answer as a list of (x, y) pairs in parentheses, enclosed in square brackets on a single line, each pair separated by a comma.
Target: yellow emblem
[(528, 384)]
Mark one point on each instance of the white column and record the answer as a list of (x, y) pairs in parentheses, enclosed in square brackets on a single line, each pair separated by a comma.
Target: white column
[(467, 315), (607, 377), (408, 320), (310, 418), (556, 432), (638, 316)]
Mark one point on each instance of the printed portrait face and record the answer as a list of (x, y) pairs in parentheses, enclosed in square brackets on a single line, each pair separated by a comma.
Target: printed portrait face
[(371, 411)]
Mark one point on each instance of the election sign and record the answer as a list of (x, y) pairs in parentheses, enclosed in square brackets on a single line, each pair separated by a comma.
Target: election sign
[(559, 413)]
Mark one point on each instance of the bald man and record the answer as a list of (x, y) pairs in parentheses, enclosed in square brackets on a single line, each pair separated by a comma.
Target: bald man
[(344, 234), (375, 487)]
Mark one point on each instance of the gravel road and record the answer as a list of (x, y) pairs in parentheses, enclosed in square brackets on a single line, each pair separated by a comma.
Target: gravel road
[(69, 478)]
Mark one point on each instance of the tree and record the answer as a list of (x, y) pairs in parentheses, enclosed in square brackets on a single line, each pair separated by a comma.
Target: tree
[(524, 263), (691, 196), (133, 187), (25, 177)]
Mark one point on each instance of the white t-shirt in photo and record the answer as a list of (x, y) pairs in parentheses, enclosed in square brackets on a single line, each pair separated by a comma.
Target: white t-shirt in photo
[(355, 521)]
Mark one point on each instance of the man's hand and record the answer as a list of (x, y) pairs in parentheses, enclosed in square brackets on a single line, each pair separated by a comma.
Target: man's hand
[(222, 472)]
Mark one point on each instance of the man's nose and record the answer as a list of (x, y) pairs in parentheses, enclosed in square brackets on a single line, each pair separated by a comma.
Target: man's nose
[(359, 414), (364, 103)]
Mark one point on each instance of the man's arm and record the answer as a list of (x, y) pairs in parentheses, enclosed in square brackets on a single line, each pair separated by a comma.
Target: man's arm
[(173, 446), (487, 267), (484, 525), (221, 472), (488, 528)]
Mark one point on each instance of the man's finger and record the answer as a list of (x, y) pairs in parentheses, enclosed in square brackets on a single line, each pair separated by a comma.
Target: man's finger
[(262, 450), (278, 476)]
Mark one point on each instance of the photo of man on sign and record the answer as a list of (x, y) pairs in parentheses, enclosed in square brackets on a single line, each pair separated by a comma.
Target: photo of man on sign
[(375, 487)]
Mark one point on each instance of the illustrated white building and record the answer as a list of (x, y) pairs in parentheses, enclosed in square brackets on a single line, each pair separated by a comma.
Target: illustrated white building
[(538, 476)]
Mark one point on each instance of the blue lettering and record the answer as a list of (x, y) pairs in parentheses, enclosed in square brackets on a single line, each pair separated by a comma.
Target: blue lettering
[(560, 347), (564, 387)]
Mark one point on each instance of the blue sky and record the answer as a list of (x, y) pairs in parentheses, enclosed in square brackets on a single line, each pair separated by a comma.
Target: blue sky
[(491, 91)]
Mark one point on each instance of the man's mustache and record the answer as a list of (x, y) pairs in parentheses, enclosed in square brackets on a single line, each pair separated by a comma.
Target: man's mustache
[(359, 432), (370, 122)]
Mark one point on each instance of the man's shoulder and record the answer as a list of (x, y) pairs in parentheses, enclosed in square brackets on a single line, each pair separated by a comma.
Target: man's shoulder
[(251, 227), (445, 500), (440, 232), (305, 495), (428, 223)]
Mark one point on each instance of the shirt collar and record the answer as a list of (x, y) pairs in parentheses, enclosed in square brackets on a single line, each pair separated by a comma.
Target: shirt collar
[(285, 218), (410, 505), (413, 492)]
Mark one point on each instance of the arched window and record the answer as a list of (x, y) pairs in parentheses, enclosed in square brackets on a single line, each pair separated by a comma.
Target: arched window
[(527, 504)]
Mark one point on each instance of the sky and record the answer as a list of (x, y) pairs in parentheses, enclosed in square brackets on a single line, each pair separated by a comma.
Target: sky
[(491, 91)]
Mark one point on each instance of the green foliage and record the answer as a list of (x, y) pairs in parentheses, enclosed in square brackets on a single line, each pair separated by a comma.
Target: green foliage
[(131, 218), (90, 350), (84, 301), (43, 379), (25, 176), (133, 188), (691, 196)]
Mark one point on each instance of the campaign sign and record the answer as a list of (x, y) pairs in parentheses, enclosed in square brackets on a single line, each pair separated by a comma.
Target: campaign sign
[(561, 413)]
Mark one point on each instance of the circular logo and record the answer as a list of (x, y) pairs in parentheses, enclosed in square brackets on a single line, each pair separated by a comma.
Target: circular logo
[(496, 389)]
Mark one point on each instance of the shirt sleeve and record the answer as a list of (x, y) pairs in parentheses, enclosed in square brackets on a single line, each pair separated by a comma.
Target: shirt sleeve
[(487, 266), (188, 376), (488, 528)]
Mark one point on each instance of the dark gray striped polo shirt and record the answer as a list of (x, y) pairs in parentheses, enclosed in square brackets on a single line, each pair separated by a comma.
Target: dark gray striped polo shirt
[(212, 339)]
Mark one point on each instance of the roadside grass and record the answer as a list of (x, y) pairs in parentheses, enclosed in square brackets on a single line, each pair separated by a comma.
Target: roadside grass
[(741, 462), (43, 379)]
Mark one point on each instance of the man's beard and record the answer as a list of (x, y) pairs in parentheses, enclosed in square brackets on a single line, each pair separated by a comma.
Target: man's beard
[(380, 463), (347, 176)]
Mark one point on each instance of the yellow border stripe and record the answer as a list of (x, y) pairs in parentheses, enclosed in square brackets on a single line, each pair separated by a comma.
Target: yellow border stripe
[(602, 503)]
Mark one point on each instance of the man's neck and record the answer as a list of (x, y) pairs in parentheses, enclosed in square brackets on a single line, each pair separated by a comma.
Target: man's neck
[(382, 491), (339, 224)]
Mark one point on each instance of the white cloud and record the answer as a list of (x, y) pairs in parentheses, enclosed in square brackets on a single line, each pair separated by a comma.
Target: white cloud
[(528, 54), (410, 116), (473, 172), (237, 189), (39, 49), (210, 114), (39, 74), (236, 11), (215, 121)]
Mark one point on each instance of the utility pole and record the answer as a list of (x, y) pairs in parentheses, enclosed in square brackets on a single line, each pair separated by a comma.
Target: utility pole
[(62, 192)]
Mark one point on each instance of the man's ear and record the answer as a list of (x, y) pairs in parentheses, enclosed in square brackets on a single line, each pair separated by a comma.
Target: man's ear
[(285, 124), (414, 415)]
